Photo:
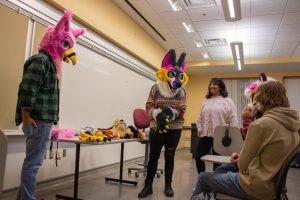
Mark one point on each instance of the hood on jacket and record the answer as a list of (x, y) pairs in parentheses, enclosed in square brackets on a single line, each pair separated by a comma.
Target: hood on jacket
[(286, 116)]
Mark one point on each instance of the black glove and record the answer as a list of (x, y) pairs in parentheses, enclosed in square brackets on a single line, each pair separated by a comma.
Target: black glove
[(163, 118)]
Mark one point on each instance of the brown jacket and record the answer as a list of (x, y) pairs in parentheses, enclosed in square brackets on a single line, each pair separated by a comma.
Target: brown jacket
[(269, 141)]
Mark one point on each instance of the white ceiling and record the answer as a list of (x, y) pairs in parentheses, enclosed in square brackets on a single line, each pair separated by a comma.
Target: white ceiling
[(268, 29)]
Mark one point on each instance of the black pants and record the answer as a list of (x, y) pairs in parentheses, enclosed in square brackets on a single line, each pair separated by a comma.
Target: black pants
[(157, 140), (204, 146)]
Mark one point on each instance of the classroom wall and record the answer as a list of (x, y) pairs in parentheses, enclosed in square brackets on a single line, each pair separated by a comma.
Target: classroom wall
[(197, 88), (107, 19)]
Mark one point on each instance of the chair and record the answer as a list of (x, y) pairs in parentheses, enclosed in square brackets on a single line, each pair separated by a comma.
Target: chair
[(3, 153), (227, 140), (280, 184), (142, 121)]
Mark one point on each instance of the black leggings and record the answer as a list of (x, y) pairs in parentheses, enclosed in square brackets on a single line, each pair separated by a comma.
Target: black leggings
[(157, 140), (203, 148)]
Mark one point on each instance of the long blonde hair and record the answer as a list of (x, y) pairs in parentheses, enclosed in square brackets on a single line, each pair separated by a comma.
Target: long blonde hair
[(271, 94)]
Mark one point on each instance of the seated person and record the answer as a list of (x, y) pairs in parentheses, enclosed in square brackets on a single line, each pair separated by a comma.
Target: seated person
[(270, 140)]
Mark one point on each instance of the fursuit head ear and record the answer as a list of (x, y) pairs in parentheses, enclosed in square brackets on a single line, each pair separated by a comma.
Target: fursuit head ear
[(262, 77), (169, 59), (180, 62), (64, 23), (78, 32)]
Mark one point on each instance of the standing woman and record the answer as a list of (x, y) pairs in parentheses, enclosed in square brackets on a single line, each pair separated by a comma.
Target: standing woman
[(166, 105), (217, 110)]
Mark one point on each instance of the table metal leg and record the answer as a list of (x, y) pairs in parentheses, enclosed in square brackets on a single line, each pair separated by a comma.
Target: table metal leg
[(76, 176), (120, 180)]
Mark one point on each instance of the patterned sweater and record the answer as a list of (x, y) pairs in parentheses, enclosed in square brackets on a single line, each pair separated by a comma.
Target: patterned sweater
[(157, 100)]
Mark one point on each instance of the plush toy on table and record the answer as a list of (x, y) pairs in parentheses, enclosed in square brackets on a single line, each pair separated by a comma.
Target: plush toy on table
[(120, 130)]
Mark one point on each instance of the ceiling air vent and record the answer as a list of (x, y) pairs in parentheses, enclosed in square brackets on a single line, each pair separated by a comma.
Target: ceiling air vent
[(188, 4), (215, 42)]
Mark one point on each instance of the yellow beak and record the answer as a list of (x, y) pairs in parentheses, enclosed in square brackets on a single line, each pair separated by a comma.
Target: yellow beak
[(70, 55)]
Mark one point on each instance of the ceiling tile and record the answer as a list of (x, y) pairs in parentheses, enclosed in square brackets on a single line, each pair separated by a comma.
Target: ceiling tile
[(159, 5), (293, 6), (213, 25), (291, 18), (262, 31), (174, 17), (267, 20), (282, 53), (124, 6), (262, 39), (288, 38), (176, 28), (142, 6), (284, 45), (208, 13), (289, 29), (267, 7)]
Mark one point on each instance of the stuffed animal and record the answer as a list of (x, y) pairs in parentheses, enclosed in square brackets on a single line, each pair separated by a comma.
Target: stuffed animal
[(119, 129), (137, 133)]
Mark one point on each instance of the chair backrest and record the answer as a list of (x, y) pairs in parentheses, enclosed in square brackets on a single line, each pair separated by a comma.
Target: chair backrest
[(141, 118), (3, 153), (226, 145), (280, 184)]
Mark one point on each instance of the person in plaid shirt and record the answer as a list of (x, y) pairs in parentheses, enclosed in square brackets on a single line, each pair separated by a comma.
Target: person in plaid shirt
[(38, 97)]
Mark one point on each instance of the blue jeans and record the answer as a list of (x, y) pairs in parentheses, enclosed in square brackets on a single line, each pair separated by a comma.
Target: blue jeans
[(228, 167), (36, 144), (223, 182)]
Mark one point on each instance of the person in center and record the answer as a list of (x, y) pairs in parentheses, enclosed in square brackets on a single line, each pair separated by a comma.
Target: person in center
[(166, 105)]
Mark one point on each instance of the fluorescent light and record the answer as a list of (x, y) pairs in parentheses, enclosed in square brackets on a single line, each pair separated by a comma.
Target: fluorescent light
[(237, 54), (198, 43), (239, 65), (205, 55), (231, 8), (175, 5), (237, 51), (188, 27)]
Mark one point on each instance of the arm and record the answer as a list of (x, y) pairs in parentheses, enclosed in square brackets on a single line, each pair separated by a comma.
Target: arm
[(29, 87), (232, 118), (253, 143), (199, 120), (150, 104)]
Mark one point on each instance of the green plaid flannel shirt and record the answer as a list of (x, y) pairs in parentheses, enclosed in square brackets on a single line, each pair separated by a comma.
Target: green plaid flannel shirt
[(38, 90)]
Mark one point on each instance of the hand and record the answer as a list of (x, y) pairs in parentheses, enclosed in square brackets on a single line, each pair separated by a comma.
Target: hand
[(199, 134), (26, 119), (234, 157), (29, 121), (163, 118)]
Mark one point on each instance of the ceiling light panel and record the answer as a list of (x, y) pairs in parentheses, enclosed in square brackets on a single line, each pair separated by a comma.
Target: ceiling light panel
[(188, 27), (232, 10), (191, 4), (175, 5), (215, 42)]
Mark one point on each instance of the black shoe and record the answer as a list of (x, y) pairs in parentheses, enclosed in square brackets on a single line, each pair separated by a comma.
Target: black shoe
[(146, 191), (169, 191)]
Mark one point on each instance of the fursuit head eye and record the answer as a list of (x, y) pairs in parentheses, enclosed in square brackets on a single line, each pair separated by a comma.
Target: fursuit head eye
[(171, 74), (66, 44), (181, 76)]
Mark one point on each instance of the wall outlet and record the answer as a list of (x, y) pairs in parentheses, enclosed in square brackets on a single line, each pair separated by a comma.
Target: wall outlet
[(59, 153), (51, 154), (64, 152)]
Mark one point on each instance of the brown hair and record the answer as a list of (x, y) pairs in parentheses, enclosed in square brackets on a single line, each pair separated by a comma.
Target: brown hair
[(271, 94)]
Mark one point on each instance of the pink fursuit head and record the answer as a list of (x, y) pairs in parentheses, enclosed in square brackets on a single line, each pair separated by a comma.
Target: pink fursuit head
[(56, 37)]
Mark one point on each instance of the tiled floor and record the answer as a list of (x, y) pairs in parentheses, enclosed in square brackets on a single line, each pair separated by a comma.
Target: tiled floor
[(94, 187)]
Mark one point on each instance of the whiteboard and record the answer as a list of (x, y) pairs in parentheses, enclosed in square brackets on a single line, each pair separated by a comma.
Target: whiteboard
[(97, 90)]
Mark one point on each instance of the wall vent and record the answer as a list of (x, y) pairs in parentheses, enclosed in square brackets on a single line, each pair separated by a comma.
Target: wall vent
[(215, 42), (189, 4)]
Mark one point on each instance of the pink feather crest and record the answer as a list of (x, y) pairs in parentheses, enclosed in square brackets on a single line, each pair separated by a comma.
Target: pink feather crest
[(54, 36)]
